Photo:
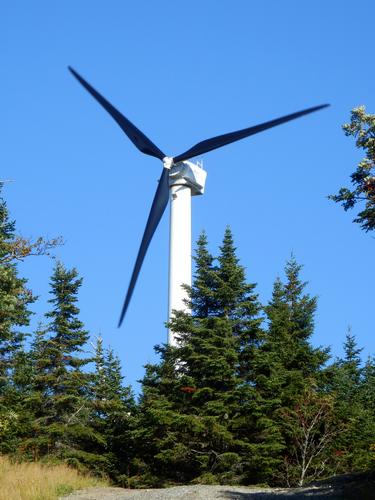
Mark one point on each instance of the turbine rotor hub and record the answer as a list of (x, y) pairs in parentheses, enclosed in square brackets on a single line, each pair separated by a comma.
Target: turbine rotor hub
[(168, 162)]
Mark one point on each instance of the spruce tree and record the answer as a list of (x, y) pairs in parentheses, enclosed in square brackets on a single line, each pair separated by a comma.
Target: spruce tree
[(163, 431), (291, 324), (352, 387), (286, 366), (366, 457), (238, 302), (113, 414), (61, 386), (15, 298), (202, 293), (180, 419), (192, 397), (261, 432), (213, 351), (349, 370)]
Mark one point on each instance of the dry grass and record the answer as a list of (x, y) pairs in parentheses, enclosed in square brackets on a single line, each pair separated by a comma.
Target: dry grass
[(34, 481)]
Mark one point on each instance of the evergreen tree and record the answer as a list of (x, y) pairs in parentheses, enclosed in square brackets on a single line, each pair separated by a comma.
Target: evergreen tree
[(14, 297), (291, 325), (349, 370), (61, 425), (113, 414), (352, 387), (217, 350), (231, 402), (202, 293), (15, 300), (265, 439), (164, 431), (238, 302), (286, 365), (368, 385), (192, 397), (366, 457)]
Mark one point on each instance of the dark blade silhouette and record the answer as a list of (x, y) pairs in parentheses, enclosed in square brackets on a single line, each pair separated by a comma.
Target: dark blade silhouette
[(146, 146), (157, 209), (223, 140), (137, 137)]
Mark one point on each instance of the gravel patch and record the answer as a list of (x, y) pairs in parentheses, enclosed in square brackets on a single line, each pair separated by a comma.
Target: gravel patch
[(356, 486), (202, 492)]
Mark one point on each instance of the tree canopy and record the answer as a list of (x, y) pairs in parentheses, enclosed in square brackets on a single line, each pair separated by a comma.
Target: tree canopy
[(362, 192), (244, 397)]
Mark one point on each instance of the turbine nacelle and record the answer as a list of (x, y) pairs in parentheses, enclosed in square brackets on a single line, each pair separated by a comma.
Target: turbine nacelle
[(190, 174)]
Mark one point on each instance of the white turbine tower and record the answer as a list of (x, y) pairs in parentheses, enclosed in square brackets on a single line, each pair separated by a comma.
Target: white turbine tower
[(180, 180), (186, 179)]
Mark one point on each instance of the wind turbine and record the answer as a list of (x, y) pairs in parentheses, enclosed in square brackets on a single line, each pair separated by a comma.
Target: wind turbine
[(180, 180)]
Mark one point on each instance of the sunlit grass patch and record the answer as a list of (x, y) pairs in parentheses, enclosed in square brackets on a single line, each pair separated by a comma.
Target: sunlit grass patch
[(35, 481)]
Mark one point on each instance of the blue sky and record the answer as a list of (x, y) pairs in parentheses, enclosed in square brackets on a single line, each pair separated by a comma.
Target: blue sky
[(183, 72)]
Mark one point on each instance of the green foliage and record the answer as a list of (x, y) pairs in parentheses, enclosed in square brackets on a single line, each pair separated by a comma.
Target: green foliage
[(236, 401), (15, 298), (353, 387), (310, 427), (190, 402), (113, 413), (291, 323), (284, 366), (60, 386), (362, 128), (63, 489)]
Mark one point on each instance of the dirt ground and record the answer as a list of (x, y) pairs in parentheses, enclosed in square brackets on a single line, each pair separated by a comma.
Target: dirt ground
[(348, 487)]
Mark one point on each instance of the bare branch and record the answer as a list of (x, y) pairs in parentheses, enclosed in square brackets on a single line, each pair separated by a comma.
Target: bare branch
[(20, 248)]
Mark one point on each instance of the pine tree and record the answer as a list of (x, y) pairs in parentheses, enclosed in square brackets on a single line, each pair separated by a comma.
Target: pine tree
[(238, 302), (202, 293), (352, 388), (262, 432), (14, 297), (214, 350), (62, 426), (349, 370), (291, 325), (113, 414), (285, 366), (15, 300), (192, 399), (163, 431), (368, 385), (366, 456)]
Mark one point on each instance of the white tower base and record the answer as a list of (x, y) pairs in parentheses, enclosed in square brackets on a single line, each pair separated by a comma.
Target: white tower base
[(186, 180), (179, 251)]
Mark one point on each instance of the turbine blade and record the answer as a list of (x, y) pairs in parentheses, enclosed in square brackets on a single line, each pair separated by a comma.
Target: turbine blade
[(223, 140), (137, 137), (157, 209)]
